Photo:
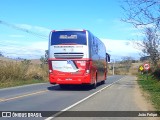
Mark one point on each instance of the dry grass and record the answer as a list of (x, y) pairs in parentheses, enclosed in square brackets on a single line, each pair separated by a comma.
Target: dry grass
[(122, 69), (14, 73)]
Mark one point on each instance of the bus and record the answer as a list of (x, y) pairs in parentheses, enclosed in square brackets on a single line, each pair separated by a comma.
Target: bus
[(76, 57)]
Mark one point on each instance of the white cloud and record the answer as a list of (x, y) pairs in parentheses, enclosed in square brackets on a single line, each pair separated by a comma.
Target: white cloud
[(120, 48), (32, 50), (42, 45)]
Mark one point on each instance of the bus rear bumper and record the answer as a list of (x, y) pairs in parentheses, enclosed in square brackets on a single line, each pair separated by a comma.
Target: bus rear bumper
[(70, 80)]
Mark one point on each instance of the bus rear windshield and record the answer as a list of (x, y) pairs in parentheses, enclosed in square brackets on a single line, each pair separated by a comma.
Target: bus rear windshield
[(68, 38)]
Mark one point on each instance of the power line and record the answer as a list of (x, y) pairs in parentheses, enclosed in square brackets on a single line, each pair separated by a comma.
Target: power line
[(23, 29), (22, 48)]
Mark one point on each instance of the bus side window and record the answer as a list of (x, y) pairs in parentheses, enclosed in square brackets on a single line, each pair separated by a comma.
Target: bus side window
[(97, 46), (107, 57), (93, 41), (94, 45)]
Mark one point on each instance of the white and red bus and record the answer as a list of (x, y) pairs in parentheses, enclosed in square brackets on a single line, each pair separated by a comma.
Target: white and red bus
[(76, 57)]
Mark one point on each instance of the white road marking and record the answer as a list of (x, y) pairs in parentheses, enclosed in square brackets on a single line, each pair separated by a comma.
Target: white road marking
[(49, 118)]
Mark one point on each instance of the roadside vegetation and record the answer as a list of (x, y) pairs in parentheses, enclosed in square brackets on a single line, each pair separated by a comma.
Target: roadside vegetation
[(125, 66), (16, 73), (151, 85), (145, 16)]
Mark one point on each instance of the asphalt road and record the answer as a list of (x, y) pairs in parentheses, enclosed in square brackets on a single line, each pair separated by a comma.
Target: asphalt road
[(115, 95)]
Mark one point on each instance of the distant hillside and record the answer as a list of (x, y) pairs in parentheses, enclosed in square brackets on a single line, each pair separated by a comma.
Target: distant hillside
[(5, 59)]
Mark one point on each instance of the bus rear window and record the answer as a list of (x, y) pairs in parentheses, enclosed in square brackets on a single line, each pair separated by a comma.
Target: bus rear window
[(68, 37)]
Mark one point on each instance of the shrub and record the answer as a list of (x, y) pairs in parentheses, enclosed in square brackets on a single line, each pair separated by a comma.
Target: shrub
[(12, 72), (156, 73)]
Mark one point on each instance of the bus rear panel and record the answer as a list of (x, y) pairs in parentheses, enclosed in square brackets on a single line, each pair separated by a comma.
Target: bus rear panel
[(72, 59)]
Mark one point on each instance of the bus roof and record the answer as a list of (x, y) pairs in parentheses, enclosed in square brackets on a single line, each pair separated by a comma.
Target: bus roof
[(69, 30)]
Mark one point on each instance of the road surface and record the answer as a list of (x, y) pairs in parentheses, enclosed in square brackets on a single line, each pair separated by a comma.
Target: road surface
[(119, 93)]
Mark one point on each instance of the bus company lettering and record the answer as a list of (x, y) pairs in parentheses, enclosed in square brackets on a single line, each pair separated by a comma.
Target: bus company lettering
[(64, 67), (28, 114), (68, 37)]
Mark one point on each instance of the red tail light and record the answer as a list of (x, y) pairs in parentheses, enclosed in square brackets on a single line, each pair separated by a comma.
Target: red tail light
[(50, 66), (87, 66)]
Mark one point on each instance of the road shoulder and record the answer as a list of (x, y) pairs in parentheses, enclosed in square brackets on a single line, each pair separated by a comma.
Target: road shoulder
[(141, 98)]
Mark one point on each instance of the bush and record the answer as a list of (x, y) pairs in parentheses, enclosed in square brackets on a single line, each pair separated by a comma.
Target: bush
[(38, 72), (156, 73), (21, 72), (152, 87), (12, 71)]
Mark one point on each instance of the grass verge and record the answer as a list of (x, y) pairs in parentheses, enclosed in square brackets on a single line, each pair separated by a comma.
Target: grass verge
[(152, 86), (20, 83), (17, 73)]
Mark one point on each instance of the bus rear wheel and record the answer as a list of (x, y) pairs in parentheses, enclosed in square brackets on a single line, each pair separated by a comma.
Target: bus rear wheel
[(103, 82), (63, 86), (94, 85)]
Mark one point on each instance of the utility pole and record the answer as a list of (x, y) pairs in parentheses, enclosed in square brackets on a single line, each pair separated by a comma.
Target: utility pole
[(113, 66)]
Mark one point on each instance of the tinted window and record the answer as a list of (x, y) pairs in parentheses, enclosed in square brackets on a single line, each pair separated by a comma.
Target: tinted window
[(68, 37)]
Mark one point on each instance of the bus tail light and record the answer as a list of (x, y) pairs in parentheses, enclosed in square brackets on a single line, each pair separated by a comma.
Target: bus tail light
[(50, 71), (50, 66), (87, 71), (87, 67)]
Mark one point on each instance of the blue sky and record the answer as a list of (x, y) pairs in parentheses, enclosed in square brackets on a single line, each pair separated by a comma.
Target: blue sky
[(101, 17)]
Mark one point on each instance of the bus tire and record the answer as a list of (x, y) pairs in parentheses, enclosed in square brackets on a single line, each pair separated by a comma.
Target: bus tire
[(103, 82), (94, 85), (63, 86)]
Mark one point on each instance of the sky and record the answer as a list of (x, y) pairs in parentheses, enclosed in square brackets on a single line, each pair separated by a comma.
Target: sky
[(25, 25)]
